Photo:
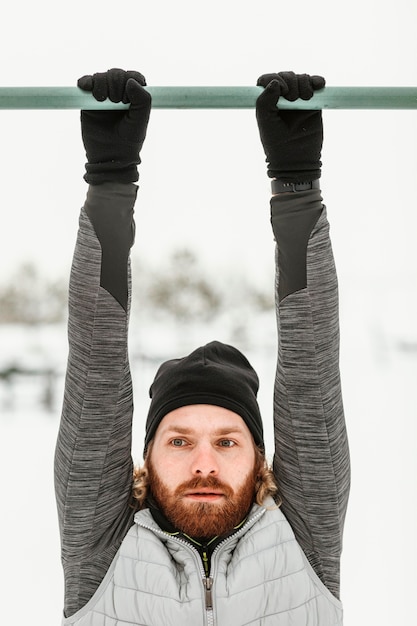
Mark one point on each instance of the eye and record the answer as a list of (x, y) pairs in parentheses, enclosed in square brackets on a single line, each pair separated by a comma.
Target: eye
[(177, 442), (226, 443)]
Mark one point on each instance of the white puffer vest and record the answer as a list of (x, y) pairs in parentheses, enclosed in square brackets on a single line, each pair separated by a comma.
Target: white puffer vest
[(259, 576)]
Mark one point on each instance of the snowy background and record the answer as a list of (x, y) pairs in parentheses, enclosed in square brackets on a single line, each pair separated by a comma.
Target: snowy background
[(204, 187)]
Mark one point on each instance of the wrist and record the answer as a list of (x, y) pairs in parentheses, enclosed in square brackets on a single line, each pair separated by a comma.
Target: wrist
[(113, 172), (301, 174), (278, 186)]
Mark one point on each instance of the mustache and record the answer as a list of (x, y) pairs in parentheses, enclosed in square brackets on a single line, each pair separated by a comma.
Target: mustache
[(210, 482)]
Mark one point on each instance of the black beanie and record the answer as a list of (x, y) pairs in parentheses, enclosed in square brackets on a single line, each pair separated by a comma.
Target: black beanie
[(215, 374)]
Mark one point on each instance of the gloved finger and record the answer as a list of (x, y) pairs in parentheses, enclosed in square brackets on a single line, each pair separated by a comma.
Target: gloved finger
[(267, 101), (265, 79), (116, 84), (110, 84), (98, 85), (290, 79), (85, 82), (301, 85), (137, 76), (305, 88), (318, 82), (308, 84)]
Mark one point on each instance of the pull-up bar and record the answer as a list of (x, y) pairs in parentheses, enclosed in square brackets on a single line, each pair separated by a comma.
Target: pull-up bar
[(211, 98)]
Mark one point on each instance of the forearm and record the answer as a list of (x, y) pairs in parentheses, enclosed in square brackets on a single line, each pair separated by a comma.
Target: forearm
[(312, 458), (93, 467)]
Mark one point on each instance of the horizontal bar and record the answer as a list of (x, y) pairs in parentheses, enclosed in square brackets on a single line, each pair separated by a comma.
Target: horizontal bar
[(211, 98)]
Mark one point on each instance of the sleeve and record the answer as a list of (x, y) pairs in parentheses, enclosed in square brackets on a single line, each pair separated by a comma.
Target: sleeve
[(311, 461), (93, 464)]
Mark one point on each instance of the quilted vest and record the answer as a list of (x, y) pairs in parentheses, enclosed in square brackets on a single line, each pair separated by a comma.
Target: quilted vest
[(259, 576)]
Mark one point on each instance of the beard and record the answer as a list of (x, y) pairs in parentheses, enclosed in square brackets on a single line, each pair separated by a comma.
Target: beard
[(203, 520)]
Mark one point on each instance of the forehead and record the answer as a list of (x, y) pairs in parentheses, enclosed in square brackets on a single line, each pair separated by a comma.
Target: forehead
[(203, 419)]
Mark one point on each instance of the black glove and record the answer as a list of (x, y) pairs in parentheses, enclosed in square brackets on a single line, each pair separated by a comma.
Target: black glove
[(113, 139), (292, 139)]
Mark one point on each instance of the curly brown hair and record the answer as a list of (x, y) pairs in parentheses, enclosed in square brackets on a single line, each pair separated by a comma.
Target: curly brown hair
[(266, 484)]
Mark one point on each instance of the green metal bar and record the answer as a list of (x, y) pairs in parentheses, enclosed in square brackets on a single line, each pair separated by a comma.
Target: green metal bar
[(211, 98)]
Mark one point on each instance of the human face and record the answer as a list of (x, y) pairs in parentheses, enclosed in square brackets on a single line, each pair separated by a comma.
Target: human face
[(202, 469)]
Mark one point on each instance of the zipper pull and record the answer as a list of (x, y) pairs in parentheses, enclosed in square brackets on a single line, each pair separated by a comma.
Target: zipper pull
[(208, 584), (206, 562)]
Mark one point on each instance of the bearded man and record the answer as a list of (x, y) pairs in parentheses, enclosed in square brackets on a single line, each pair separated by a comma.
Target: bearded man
[(205, 532)]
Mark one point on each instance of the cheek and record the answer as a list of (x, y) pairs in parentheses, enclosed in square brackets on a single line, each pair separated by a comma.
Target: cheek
[(171, 477), (237, 471), (250, 466), (241, 475), (170, 472)]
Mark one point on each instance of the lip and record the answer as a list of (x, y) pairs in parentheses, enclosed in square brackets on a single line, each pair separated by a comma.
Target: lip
[(204, 491), (204, 495)]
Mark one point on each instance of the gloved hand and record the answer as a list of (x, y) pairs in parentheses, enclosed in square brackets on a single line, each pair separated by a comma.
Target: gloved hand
[(113, 139), (292, 139)]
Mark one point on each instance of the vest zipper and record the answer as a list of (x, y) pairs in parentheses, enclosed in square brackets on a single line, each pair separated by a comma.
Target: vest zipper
[(205, 562), (208, 585), (238, 533), (207, 580)]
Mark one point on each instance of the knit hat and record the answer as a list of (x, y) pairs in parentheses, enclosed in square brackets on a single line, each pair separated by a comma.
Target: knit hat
[(215, 374)]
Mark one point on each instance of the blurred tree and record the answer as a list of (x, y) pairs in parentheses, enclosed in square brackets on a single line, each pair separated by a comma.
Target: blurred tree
[(179, 289), (28, 298), (182, 291)]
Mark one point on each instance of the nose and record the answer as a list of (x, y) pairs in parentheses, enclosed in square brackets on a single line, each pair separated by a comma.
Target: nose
[(204, 462)]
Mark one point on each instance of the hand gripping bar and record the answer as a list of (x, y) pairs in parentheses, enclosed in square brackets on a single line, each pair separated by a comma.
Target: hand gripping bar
[(211, 98)]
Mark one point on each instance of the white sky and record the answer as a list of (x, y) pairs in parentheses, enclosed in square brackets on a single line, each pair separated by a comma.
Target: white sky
[(203, 176)]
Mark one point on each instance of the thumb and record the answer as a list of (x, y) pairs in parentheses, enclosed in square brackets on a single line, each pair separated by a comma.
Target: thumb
[(267, 102), (137, 95), (140, 107)]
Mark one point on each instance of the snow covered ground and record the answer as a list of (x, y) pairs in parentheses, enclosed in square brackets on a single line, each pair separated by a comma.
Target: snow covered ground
[(379, 366)]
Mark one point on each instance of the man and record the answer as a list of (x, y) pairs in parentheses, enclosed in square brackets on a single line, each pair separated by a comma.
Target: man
[(199, 535)]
